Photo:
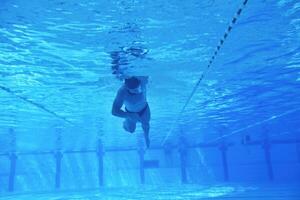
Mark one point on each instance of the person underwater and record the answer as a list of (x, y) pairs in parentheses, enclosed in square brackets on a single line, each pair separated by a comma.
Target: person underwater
[(132, 94)]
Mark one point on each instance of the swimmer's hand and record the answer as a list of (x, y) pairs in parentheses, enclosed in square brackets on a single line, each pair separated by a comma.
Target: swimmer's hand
[(133, 116)]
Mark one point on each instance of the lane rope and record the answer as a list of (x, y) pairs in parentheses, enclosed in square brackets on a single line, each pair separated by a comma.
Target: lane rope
[(213, 57), (253, 125), (40, 106)]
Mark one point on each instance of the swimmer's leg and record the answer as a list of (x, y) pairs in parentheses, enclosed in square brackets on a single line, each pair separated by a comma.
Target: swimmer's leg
[(129, 125), (145, 119), (146, 128)]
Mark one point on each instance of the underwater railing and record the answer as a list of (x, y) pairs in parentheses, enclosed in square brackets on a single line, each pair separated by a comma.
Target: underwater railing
[(58, 156), (182, 149)]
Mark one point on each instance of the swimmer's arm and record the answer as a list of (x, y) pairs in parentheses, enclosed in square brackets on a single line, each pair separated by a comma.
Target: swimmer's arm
[(117, 105)]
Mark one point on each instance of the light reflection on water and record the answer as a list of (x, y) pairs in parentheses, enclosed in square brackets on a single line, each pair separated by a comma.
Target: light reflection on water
[(179, 192)]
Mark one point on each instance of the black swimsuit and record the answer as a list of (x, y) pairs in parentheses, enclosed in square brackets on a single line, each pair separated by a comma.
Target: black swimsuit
[(140, 112)]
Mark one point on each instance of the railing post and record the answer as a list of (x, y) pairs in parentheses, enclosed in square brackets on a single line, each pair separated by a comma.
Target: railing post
[(183, 159), (58, 157), (298, 151), (12, 172), (223, 148), (141, 153), (13, 160), (168, 155), (100, 154), (267, 149)]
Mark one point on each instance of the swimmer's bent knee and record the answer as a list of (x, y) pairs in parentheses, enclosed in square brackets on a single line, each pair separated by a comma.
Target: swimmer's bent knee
[(129, 126)]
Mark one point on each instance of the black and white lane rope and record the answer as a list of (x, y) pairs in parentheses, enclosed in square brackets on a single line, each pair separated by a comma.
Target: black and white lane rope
[(211, 60)]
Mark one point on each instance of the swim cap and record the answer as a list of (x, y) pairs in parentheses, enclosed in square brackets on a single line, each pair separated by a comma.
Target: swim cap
[(132, 82)]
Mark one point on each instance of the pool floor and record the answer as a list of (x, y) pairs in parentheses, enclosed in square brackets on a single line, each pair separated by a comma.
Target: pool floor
[(174, 192)]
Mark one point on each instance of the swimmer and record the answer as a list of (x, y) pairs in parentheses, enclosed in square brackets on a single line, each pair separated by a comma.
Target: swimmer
[(132, 94)]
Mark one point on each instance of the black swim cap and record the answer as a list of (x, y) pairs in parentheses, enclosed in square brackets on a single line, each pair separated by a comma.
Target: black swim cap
[(132, 82)]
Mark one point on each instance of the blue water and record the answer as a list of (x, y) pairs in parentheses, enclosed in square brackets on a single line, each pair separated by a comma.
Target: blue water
[(227, 129)]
